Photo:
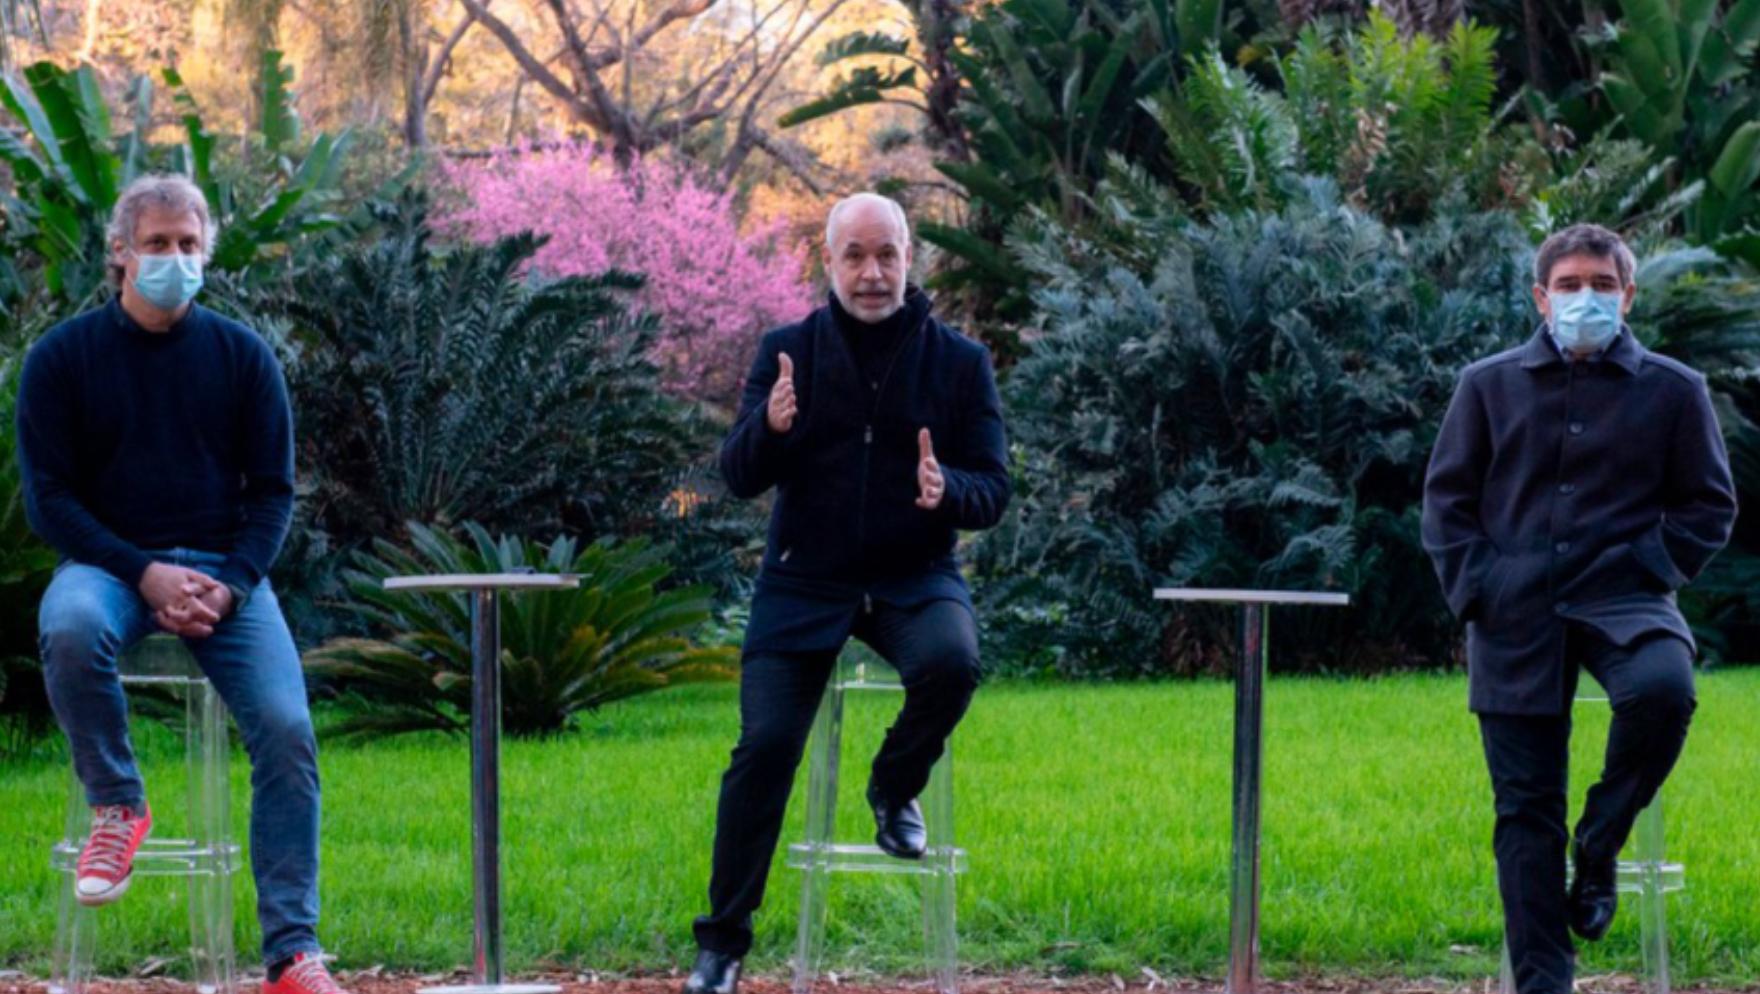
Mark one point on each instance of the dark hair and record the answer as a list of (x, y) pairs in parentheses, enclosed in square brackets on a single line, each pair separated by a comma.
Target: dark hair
[(1585, 239)]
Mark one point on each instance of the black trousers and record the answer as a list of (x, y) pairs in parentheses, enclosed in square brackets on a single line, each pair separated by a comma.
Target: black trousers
[(1650, 687), (935, 650)]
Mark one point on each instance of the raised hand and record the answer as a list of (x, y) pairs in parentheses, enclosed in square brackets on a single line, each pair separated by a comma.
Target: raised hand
[(930, 483), (780, 413)]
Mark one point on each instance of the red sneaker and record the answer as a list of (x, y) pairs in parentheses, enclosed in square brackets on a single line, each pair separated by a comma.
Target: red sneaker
[(307, 974), (106, 864)]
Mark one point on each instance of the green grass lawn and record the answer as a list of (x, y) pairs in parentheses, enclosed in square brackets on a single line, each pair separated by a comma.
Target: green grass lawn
[(1097, 819)]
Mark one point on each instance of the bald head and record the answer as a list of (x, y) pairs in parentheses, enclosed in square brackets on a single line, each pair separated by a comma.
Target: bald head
[(868, 255), (868, 207)]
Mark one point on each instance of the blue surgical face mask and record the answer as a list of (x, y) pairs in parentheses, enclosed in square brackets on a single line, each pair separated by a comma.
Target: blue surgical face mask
[(1586, 320), (170, 280)]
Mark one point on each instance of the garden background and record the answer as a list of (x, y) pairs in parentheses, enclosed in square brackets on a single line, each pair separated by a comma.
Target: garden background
[(1230, 256)]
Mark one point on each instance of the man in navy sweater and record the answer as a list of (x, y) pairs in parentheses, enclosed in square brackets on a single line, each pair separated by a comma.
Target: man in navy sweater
[(881, 430), (157, 451)]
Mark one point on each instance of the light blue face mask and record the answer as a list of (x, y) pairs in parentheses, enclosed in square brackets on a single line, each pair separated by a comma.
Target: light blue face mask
[(170, 280), (1585, 321)]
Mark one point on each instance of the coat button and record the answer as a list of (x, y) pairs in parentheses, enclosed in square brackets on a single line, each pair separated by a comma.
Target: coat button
[(1576, 427), (1567, 488), (1560, 608), (1562, 548)]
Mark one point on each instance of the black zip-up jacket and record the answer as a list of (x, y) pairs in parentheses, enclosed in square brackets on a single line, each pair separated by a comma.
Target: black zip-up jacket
[(845, 530)]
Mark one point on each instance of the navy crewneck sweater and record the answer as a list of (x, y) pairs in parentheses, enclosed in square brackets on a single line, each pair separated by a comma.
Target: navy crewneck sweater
[(133, 441)]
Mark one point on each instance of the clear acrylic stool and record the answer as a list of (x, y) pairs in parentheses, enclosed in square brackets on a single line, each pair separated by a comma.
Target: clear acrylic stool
[(822, 855), (1648, 877), (207, 857)]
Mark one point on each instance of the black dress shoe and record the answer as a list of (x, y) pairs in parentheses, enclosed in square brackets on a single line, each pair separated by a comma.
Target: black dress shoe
[(1594, 896), (714, 973), (899, 829)]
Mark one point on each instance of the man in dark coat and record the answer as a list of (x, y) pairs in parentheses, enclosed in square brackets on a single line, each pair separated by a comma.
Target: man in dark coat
[(1578, 481), (881, 430)]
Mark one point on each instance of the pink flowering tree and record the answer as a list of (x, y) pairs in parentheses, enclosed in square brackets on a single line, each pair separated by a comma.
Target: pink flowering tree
[(715, 286)]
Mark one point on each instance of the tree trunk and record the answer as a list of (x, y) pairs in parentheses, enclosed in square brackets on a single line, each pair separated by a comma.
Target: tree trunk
[(415, 75), (941, 21)]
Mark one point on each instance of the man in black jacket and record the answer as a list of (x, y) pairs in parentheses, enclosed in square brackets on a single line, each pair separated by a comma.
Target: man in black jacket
[(881, 430), (1578, 481)]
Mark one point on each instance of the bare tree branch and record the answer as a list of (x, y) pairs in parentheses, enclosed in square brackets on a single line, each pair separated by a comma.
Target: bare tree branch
[(795, 159), (431, 84), (533, 68)]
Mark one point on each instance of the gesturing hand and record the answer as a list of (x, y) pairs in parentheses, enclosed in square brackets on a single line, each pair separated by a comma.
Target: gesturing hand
[(780, 415), (930, 483)]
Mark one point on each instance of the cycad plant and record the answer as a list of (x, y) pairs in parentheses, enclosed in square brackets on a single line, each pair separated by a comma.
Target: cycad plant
[(562, 652), (435, 384)]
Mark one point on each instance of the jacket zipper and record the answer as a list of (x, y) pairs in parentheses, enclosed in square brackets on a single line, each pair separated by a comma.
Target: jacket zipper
[(868, 449)]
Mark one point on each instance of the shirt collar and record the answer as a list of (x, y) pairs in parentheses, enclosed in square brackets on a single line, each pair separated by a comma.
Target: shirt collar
[(1624, 351), (128, 324)]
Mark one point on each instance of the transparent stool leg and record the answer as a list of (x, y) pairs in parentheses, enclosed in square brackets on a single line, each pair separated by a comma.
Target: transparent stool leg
[(1652, 902), (827, 745), (939, 930), (75, 936), (70, 968), (210, 888)]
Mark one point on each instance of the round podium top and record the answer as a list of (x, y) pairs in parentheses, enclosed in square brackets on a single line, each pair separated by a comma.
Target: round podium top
[(485, 581), (1313, 598)]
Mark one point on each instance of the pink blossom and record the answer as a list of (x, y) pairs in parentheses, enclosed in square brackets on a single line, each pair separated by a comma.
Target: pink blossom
[(714, 287)]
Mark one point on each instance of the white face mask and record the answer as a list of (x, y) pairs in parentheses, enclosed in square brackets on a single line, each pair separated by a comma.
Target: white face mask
[(168, 280), (1585, 320)]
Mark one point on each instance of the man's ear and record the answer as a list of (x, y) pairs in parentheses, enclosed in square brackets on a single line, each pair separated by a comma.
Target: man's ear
[(1629, 294), (1542, 303)]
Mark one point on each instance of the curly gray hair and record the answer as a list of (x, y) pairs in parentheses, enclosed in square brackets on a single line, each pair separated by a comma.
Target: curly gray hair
[(155, 191)]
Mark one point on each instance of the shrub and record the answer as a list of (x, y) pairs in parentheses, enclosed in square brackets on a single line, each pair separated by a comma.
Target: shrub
[(713, 287), (1246, 402), (561, 652)]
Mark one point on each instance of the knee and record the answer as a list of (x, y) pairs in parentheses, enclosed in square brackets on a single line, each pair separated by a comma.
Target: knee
[(76, 632), (1664, 691), (951, 671), (1662, 699), (1537, 800), (282, 738), (770, 742)]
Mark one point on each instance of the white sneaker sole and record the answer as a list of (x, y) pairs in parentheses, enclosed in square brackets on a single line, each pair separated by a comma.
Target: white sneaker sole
[(104, 896)]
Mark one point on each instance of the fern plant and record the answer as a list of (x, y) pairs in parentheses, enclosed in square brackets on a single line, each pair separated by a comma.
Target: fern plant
[(562, 652), (1234, 141)]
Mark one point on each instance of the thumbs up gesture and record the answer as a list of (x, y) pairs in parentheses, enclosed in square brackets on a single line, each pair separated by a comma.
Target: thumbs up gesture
[(780, 413), (930, 484)]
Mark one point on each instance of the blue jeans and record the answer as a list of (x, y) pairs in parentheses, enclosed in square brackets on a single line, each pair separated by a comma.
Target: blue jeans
[(88, 618)]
